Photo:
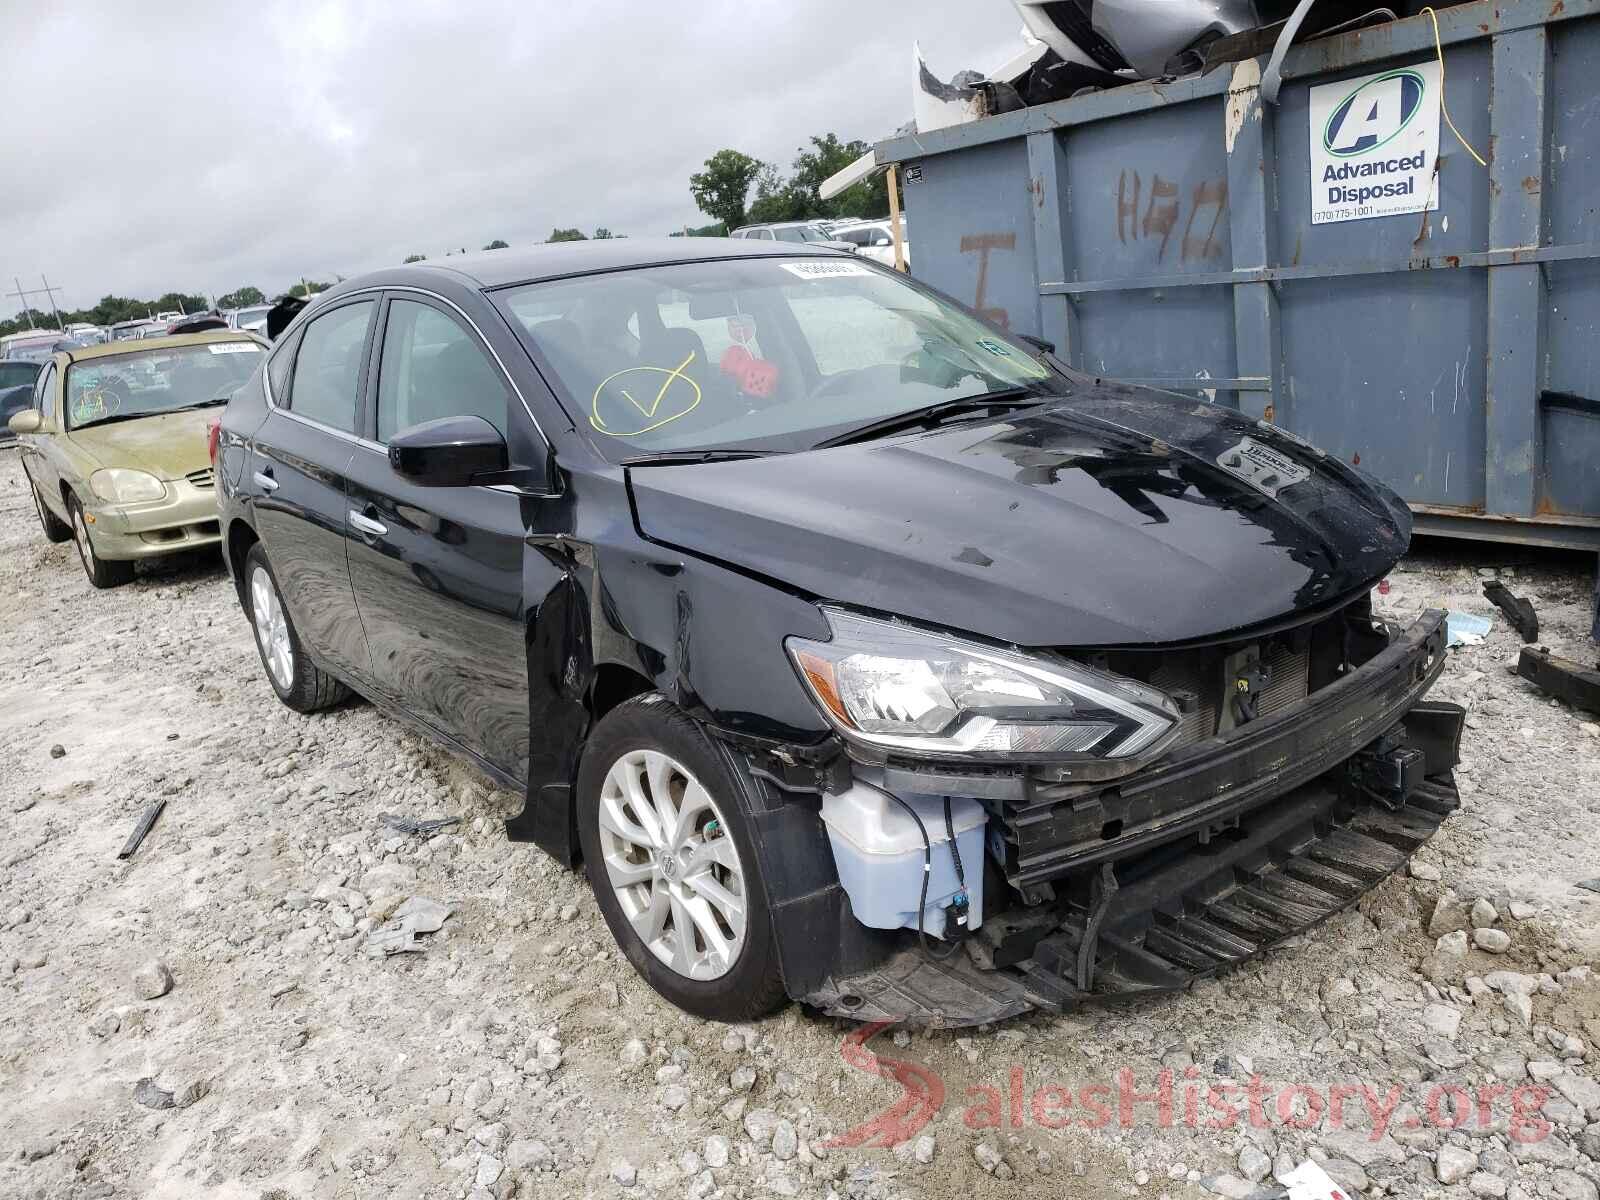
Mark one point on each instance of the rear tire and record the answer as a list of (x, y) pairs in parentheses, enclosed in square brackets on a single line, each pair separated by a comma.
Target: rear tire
[(102, 573), (298, 682), (55, 529), (681, 871)]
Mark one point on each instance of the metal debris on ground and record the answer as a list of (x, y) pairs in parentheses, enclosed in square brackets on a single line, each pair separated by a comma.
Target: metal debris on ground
[(150, 1094), (1518, 610), (141, 829), (414, 826), (399, 934), (1560, 677)]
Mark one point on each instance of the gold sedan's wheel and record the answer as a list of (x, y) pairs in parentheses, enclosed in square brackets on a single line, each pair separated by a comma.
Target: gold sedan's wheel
[(102, 573)]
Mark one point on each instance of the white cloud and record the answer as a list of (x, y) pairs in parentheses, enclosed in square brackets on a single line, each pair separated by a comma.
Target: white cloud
[(201, 147)]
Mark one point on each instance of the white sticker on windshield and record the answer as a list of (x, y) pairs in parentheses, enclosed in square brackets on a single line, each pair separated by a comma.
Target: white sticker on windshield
[(233, 348), (824, 269)]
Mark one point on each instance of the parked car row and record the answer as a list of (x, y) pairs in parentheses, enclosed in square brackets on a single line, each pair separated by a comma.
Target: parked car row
[(862, 652), (872, 239)]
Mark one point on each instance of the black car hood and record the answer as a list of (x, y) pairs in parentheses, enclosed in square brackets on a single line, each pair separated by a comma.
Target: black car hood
[(1102, 519)]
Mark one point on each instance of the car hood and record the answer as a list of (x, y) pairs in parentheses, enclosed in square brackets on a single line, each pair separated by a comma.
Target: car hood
[(168, 445), (1117, 516)]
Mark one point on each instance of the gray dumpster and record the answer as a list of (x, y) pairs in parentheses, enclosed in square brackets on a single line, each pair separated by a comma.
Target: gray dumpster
[(1163, 233)]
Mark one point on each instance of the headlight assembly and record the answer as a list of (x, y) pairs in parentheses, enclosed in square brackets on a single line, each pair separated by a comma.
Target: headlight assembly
[(899, 687), (122, 486)]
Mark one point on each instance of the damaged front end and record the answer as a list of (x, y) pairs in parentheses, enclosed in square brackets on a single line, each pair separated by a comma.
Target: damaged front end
[(1303, 768)]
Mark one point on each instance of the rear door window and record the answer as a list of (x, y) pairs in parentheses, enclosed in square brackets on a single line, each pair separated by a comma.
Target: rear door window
[(326, 387), (279, 366)]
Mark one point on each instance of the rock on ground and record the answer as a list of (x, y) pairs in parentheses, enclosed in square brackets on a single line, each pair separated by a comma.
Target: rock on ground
[(515, 1052)]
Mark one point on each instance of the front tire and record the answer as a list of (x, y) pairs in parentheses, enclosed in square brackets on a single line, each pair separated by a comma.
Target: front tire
[(298, 682), (670, 857), (102, 573)]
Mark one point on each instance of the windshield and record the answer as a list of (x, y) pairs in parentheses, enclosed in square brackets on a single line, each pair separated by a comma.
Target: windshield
[(756, 353), (800, 233), (253, 316), (157, 380)]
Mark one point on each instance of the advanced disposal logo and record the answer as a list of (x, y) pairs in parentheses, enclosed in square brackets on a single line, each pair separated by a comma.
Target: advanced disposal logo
[(1374, 145)]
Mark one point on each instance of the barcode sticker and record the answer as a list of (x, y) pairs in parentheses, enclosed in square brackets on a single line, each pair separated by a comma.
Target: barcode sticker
[(824, 269)]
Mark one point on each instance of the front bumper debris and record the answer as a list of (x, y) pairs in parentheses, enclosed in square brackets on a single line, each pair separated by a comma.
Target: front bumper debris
[(1218, 854)]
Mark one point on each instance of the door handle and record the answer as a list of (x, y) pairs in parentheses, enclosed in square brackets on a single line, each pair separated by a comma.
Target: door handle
[(367, 525), (265, 481)]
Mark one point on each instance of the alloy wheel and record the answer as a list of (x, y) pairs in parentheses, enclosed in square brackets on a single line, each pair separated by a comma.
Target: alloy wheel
[(272, 628), (674, 868), (80, 534)]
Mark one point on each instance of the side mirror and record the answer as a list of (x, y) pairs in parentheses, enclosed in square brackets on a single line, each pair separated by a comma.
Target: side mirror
[(26, 421), (1038, 343), (450, 452)]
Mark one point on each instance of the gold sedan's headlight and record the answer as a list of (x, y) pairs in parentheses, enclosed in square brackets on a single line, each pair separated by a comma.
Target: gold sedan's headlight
[(120, 485)]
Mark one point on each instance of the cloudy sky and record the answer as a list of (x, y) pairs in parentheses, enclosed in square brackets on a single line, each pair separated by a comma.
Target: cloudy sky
[(201, 147)]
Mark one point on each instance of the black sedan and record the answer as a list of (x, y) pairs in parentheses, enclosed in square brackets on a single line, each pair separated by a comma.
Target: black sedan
[(861, 651)]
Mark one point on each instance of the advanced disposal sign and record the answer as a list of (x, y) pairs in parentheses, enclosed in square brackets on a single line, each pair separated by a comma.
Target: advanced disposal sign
[(1374, 145)]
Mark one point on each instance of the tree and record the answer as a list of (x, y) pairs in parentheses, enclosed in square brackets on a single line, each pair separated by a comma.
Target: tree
[(566, 235), (603, 234), (827, 157), (777, 200), (179, 302), (242, 298), (28, 318), (719, 191), (307, 287), (497, 244), (411, 258)]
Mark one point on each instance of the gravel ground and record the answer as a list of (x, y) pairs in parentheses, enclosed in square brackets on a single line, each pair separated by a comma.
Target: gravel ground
[(206, 1019)]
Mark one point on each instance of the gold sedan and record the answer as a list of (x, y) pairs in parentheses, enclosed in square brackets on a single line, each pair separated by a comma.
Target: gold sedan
[(114, 445)]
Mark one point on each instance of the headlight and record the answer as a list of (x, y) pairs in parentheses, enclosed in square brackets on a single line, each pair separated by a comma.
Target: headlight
[(122, 486), (899, 687)]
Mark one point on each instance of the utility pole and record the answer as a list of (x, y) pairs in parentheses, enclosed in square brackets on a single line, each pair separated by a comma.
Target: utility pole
[(22, 296), (51, 293)]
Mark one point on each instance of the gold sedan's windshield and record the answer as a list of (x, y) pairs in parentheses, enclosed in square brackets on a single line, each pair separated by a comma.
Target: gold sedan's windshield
[(161, 379), (760, 353)]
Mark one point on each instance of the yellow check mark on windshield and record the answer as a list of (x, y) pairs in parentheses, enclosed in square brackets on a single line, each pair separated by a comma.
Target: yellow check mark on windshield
[(675, 374)]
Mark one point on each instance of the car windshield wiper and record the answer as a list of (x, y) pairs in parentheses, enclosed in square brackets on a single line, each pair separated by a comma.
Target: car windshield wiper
[(158, 413), (112, 419), (933, 414), (672, 458)]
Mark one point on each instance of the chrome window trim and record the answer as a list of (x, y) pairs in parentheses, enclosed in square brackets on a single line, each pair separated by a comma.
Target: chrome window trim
[(460, 312)]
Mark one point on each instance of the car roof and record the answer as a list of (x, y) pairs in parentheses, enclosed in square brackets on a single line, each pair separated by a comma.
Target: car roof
[(145, 345), (553, 260)]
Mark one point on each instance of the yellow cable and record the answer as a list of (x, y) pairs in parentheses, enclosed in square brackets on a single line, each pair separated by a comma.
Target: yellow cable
[(1443, 107)]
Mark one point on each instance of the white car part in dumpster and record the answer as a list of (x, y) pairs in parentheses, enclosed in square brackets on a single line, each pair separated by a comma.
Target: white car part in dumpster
[(879, 852)]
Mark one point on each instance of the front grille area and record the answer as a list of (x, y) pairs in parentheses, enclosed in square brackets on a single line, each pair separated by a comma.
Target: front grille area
[(201, 478), (1202, 683), (173, 534)]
